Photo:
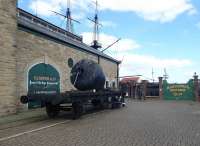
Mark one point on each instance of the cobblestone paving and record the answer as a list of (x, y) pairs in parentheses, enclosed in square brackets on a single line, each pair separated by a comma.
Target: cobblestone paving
[(149, 123)]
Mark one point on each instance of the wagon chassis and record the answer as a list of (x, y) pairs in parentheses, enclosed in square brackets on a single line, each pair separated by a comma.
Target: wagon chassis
[(76, 101)]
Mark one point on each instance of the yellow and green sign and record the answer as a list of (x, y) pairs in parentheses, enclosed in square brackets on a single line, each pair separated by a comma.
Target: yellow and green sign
[(43, 79), (178, 91)]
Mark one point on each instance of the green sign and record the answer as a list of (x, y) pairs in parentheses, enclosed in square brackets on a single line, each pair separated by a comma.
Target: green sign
[(43, 79), (178, 91)]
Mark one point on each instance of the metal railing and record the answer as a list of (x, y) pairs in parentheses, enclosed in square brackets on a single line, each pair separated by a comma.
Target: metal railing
[(42, 23)]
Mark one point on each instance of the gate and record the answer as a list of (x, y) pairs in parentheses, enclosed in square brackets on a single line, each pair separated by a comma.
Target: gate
[(152, 90), (178, 91), (43, 79)]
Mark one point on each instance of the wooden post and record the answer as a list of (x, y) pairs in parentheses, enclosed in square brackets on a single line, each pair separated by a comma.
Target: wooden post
[(129, 89), (144, 89), (132, 90), (196, 87), (160, 87)]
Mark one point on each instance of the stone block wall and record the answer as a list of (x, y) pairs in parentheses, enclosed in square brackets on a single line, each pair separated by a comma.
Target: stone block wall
[(110, 70), (8, 29), (34, 49)]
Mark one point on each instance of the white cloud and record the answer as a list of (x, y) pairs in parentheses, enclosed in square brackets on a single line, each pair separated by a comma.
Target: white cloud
[(108, 24), (134, 64), (142, 64), (79, 15), (125, 44), (44, 7), (147, 60), (104, 24), (153, 10)]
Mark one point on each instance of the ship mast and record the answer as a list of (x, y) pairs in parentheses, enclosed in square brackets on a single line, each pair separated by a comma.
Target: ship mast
[(69, 26), (95, 43), (166, 76), (67, 16)]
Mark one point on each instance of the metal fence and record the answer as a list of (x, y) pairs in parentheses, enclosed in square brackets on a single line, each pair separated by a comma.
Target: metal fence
[(152, 89)]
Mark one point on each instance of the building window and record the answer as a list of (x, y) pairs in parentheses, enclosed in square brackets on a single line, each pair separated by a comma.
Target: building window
[(70, 62)]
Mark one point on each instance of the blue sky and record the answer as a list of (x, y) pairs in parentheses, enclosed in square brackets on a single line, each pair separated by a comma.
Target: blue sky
[(155, 34)]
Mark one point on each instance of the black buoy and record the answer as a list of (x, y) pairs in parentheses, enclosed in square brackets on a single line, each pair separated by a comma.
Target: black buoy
[(87, 75)]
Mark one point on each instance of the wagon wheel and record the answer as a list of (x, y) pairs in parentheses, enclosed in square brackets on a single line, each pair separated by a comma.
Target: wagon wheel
[(98, 104), (77, 110), (115, 102), (52, 111)]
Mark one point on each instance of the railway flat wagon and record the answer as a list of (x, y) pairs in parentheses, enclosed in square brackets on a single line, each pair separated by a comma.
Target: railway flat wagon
[(89, 79)]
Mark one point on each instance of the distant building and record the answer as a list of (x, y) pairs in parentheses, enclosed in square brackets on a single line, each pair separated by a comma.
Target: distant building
[(137, 88), (135, 79), (130, 86)]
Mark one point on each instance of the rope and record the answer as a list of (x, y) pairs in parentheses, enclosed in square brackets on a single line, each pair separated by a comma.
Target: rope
[(76, 78)]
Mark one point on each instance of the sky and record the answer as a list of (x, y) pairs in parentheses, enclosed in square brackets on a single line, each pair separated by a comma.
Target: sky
[(155, 34)]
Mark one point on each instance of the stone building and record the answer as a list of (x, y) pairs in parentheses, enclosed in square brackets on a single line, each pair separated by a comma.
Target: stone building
[(135, 88), (130, 86), (34, 52)]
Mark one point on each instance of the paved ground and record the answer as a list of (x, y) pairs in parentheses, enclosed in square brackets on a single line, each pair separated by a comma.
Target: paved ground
[(149, 123), (22, 118)]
